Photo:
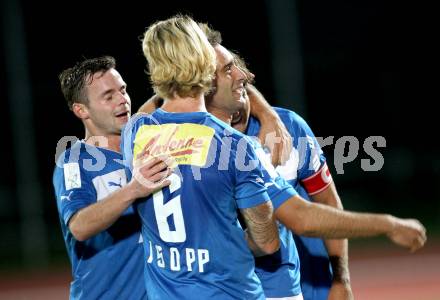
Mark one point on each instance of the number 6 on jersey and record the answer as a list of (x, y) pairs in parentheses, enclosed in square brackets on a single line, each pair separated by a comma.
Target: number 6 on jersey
[(172, 207)]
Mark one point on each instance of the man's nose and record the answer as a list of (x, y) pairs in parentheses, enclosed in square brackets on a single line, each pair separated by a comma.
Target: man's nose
[(239, 74), (123, 98)]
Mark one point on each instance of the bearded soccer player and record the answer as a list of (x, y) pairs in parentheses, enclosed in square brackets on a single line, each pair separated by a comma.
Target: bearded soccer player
[(309, 163), (279, 272)]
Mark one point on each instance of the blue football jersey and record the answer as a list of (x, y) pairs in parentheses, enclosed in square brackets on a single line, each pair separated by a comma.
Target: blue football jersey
[(278, 189), (305, 160), (194, 245), (108, 265), (279, 273)]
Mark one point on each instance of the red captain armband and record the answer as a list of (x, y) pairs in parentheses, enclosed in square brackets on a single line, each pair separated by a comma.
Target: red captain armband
[(318, 181)]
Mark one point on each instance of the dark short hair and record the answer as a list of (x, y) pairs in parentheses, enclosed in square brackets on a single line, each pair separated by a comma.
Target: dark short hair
[(240, 63), (73, 80), (214, 37)]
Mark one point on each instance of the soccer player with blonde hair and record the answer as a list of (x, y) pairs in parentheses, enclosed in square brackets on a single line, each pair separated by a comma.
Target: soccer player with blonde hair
[(194, 244)]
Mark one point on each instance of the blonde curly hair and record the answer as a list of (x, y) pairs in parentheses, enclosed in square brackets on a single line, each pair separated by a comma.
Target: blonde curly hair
[(180, 58)]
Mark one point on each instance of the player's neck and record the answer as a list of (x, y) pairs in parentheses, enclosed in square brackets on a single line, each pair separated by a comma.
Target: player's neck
[(184, 104), (223, 115), (109, 141)]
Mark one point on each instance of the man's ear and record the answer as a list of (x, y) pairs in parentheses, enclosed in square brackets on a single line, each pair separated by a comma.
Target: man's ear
[(80, 110), (213, 88)]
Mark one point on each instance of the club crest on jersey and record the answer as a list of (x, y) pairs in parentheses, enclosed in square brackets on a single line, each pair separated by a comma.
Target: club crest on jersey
[(72, 176), (187, 143)]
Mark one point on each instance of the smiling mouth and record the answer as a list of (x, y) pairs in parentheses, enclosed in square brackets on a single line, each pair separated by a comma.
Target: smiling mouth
[(122, 114)]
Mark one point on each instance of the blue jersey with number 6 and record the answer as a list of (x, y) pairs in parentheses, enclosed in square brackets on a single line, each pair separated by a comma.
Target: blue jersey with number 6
[(194, 245)]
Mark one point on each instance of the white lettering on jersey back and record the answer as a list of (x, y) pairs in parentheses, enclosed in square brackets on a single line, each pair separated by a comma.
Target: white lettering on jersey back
[(190, 258), (190, 255), (72, 176), (108, 183), (174, 259), (289, 170)]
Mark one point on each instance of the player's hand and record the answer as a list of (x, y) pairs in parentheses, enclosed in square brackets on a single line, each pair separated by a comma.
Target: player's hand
[(274, 135), (340, 291), (150, 174), (408, 233), (238, 121)]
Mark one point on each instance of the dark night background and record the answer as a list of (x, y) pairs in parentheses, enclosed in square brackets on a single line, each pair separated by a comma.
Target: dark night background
[(350, 69)]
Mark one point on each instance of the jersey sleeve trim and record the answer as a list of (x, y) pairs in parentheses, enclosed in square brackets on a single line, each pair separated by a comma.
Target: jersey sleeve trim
[(284, 195), (77, 202), (256, 199)]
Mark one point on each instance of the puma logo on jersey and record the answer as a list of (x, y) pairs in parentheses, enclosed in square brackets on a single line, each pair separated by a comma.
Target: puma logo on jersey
[(259, 180), (66, 197), (111, 183), (108, 183)]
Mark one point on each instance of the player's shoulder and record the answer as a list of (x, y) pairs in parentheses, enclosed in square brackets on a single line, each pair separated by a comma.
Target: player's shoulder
[(71, 155), (292, 120), (290, 115), (138, 119), (225, 130), (80, 153), (76, 150)]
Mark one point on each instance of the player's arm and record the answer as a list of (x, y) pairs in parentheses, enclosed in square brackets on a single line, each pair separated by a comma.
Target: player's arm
[(147, 177), (337, 249), (262, 231), (151, 104), (318, 220), (273, 133), (321, 189)]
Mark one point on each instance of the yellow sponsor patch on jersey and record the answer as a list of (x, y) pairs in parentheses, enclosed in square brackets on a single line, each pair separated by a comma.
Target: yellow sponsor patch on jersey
[(187, 143)]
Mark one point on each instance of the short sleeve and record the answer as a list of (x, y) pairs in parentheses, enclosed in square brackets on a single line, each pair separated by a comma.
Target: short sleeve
[(73, 189), (250, 187), (278, 189)]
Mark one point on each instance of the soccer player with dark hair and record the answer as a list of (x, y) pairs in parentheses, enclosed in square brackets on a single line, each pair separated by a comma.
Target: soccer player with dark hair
[(100, 229)]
